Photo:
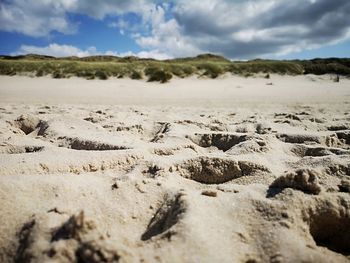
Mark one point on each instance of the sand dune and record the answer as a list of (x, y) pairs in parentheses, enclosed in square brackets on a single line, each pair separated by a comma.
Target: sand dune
[(228, 170)]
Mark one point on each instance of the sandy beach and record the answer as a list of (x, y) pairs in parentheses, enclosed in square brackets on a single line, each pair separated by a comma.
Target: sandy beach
[(195, 170)]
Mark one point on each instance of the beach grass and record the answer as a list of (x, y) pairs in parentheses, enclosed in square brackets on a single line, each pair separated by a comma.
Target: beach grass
[(207, 65)]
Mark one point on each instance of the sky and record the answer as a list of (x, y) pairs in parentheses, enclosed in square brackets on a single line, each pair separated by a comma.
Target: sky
[(236, 29)]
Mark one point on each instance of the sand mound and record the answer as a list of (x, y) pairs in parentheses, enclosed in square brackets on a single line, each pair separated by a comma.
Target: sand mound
[(78, 144), (68, 242), (303, 150), (79, 136), (96, 252), (329, 225), (217, 170), (27, 123), (299, 138), (250, 146), (304, 180), (222, 141)]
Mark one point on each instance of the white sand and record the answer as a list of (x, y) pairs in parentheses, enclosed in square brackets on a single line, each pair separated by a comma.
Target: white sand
[(130, 171), (182, 92)]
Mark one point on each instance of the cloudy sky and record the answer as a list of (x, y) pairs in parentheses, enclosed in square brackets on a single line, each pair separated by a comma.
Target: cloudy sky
[(237, 29)]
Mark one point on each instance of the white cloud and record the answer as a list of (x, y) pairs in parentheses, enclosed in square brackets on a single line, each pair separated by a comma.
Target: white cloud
[(156, 54), (99, 9), (165, 35), (247, 29), (236, 29), (35, 18), (251, 28), (113, 25), (39, 18), (57, 50)]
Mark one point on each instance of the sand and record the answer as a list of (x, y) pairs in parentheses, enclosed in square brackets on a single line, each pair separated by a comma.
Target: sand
[(196, 170)]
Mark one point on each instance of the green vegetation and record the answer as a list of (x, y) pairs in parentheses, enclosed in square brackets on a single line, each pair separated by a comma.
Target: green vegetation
[(157, 73), (208, 65), (136, 75), (212, 70)]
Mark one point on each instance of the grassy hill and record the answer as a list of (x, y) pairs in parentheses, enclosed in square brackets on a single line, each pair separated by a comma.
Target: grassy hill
[(212, 66)]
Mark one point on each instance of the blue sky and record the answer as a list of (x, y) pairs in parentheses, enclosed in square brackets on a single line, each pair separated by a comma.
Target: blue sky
[(91, 32), (238, 29)]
